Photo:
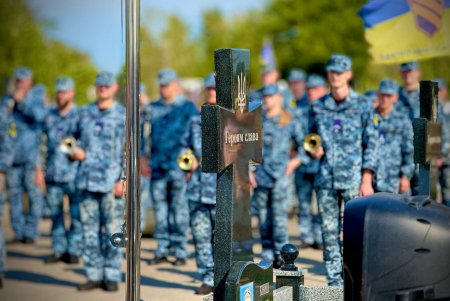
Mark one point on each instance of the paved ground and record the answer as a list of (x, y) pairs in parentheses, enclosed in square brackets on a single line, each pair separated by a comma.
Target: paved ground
[(29, 279)]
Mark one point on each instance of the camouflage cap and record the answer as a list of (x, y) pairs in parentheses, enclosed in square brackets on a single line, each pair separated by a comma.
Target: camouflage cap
[(166, 76), (105, 78), (210, 80), (339, 63), (64, 84), (388, 86), (371, 94), (270, 90), (315, 80), (21, 73), (441, 83), (409, 66), (296, 75)]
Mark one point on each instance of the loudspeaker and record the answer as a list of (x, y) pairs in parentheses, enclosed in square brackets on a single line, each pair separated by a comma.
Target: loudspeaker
[(396, 248)]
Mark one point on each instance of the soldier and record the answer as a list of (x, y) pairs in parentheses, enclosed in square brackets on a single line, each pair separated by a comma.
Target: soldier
[(297, 85), (146, 197), (170, 116), (348, 156), (270, 76), (61, 123), (409, 99), (396, 169), (270, 181), (201, 194), (99, 148), (6, 158), (372, 97), (27, 104), (309, 224), (444, 163)]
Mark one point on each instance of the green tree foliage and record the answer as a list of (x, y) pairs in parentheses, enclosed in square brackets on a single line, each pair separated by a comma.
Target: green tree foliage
[(24, 44)]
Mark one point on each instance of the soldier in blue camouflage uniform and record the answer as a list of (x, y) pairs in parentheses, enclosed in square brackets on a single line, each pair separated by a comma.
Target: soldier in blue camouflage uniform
[(297, 84), (6, 158), (27, 105), (396, 148), (409, 104), (309, 224), (271, 177), (372, 97), (348, 156), (61, 123), (201, 195), (99, 148), (444, 162), (146, 127), (270, 76), (170, 116)]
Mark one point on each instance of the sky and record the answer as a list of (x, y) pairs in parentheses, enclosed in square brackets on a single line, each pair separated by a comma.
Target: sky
[(95, 26)]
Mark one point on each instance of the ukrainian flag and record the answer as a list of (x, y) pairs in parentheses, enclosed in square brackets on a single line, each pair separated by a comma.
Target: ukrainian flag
[(407, 30)]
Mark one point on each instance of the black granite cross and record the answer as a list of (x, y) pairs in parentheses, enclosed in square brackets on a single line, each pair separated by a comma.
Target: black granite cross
[(427, 139), (231, 139)]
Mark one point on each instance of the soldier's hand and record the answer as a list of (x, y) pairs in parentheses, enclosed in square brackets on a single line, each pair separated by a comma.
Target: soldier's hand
[(39, 178), (405, 184), (146, 171), (292, 165), (78, 155), (252, 180), (366, 185), (439, 163), (195, 163), (119, 188), (318, 153)]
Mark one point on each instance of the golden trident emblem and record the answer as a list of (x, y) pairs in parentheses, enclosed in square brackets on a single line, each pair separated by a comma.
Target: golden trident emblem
[(241, 92)]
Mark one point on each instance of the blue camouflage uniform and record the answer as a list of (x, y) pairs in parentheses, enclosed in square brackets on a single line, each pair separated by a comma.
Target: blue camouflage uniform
[(26, 131), (299, 76), (169, 125), (395, 146), (309, 224), (101, 136), (350, 145), (60, 177), (271, 193), (201, 195), (444, 171), (6, 158)]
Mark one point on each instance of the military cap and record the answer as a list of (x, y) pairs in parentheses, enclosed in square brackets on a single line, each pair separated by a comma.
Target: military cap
[(21, 73), (268, 68), (64, 83), (409, 66), (166, 76), (210, 80), (371, 95), (296, 75), (315, 80), (105, 78), (339, 63), (270, 90), (388, 86), (441, 83)]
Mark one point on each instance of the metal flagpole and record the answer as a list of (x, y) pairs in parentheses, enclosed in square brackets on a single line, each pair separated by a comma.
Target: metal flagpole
[(133, 244)]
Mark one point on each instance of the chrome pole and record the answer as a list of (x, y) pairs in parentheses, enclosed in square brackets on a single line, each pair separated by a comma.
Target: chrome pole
[(133, 244)]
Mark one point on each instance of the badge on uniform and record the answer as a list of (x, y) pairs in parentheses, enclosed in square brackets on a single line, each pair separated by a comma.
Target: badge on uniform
[(59, 132), (293, 103), (382, 136), (376, 121), (337, 126), (12, 130), (98, 127)]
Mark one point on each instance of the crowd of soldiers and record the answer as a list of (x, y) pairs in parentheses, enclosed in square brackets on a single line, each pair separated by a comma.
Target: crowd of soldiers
[(366, 147)]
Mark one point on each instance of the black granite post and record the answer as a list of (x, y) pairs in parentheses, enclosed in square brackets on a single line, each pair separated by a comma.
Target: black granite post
[(427, 139), (231, 138)]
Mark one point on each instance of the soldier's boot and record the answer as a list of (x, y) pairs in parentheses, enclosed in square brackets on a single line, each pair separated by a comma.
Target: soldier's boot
[(204, 289), (157, 260), (70, 259), (179, 262), (110, 286), (55, 257), (1, 282), (27, 241), (89, 285)]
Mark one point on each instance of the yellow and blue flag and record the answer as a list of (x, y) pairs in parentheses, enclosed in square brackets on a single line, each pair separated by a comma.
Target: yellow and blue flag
[(406, 30)]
